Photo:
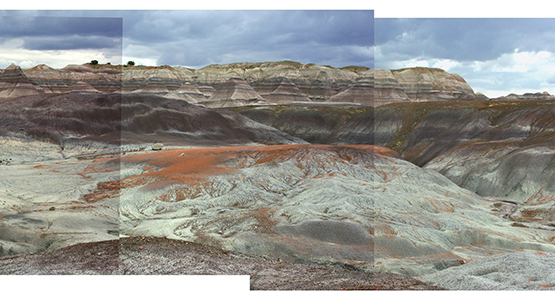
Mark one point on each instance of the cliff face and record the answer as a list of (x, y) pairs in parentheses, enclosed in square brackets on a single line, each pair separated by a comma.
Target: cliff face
[(282, 82)]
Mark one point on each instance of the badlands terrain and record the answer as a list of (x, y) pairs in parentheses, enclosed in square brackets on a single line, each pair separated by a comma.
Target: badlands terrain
[(300, 175)]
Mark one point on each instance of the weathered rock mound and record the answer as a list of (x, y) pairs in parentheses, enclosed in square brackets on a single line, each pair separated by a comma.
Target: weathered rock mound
[(14, 83), (286, 92), (361, 92), (525, 270), (432, 84), (386, 88), (234, 92), (425, 223), (298, 203)]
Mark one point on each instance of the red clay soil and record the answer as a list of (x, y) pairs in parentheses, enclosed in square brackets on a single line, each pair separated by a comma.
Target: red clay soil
[(193, 166)]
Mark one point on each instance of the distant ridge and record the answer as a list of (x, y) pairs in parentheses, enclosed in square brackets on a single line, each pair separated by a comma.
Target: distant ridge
[(307, 83)]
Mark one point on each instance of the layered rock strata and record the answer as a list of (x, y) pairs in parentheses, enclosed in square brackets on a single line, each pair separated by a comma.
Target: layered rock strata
[(361, 92), (306, 82), (432, 84), (14, 83), (234, 92), (286, 92)]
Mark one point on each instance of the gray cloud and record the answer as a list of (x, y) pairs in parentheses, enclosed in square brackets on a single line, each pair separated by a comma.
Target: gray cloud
[(199, 38), (495, 56), (62, 33), (27, 39), (72, 42), (462, 39), (26, 26)]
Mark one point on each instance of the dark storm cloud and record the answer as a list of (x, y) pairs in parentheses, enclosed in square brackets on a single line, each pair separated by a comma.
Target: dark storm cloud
[(462, 39), (199, 38), (17, 26), (59, 33), (71, 42), (327, 27)]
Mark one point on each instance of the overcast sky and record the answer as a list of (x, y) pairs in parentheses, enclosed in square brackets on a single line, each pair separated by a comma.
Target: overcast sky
[(199, 38), (495, 56), (57, 42)]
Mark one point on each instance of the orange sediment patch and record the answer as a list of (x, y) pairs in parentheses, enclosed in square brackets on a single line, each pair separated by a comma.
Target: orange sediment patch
[(193, 166), (382, 151)]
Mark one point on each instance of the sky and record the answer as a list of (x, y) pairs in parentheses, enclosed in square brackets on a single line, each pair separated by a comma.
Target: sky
[(198, 38), (496, 56), (57, 42)]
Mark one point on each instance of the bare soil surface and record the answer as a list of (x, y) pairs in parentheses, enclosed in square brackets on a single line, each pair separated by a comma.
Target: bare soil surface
[(95, 258), (160, 256)]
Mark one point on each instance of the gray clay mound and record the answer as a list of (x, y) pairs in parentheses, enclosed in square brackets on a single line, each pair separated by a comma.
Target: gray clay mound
[(344, 233), (527, 270)]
